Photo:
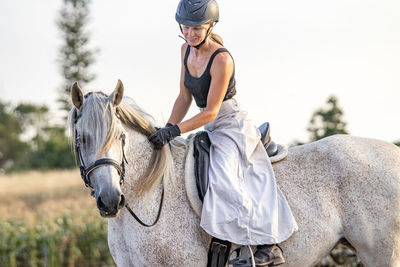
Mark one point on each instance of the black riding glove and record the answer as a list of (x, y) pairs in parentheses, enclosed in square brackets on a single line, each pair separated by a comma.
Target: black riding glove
[(164, 135), (166, 125)]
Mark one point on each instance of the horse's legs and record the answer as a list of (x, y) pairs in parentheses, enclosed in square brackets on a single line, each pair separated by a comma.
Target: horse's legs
[(377, 245), (378, 255)]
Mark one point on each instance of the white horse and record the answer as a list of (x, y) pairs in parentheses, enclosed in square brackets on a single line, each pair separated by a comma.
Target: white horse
[(338, 187)]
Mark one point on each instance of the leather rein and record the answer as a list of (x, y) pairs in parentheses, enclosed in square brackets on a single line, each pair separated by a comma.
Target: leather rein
[(120, 167)]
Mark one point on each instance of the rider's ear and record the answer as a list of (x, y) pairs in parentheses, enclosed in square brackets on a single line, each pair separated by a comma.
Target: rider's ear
[(118, 93), (77, 96)]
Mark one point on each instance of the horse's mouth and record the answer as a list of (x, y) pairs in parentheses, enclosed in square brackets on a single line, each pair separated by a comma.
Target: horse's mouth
[(106, 214), (110, 212)]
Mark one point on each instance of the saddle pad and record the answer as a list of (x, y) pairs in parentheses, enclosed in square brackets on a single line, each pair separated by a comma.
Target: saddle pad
[(190, 179)]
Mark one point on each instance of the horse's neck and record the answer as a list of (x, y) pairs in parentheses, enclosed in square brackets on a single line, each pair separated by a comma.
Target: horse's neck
[(178, 152), (138, 154)]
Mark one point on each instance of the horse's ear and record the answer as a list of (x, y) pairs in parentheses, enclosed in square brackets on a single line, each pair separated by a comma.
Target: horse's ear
[(118, 94), (77, 96)]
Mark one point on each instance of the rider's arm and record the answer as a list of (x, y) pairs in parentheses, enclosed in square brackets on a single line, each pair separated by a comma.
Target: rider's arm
[(184, 99), (221, 71)]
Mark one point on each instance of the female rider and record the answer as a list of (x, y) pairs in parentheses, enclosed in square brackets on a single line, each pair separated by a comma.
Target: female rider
[(243, 203)]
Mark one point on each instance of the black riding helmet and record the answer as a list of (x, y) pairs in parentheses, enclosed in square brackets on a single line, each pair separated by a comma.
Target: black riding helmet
[(197, 12)]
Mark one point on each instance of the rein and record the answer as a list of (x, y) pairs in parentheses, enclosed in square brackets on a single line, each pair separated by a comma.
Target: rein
[(120, 167)]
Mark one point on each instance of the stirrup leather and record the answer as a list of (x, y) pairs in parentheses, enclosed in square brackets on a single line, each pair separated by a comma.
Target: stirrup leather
[(218, 253)]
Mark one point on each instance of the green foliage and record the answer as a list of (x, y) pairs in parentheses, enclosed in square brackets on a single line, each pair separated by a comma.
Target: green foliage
[(327, 121), (28, 141), (63, 242), (324, 122), (397, 143), (50, 150), (31, 117), (11, 147), (74, 56)]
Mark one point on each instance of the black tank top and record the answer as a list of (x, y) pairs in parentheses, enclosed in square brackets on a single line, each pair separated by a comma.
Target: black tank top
[(199, 86)]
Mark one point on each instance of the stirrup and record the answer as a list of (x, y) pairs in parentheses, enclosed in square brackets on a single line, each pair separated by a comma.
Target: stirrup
[(242, 259)]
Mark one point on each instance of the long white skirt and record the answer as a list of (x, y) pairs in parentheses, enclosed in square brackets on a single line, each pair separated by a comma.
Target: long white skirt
[(243, 203)]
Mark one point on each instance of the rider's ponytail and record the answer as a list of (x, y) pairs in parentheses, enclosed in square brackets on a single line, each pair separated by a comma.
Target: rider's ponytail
[(216, 38)]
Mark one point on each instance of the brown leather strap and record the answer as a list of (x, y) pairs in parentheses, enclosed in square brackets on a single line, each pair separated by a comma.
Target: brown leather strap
[(158, 214)]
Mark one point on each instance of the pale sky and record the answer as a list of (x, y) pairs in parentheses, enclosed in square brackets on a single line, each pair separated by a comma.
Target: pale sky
[(290, 57)]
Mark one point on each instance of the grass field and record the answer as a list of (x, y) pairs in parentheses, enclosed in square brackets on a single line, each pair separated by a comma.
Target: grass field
[(49, 219), (37, 196), (40, 196)]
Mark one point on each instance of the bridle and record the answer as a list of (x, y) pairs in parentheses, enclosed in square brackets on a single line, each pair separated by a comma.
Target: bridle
[(120, 167), (85, 171)]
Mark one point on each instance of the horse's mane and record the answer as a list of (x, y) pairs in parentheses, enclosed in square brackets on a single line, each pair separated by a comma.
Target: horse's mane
[(98, 116)]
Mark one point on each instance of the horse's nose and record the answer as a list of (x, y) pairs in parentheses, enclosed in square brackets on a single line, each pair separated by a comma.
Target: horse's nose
[(110, 206), (121, 202), (100, 204)]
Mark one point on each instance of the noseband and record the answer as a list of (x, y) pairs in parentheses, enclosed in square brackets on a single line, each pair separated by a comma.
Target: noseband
[(85, 171)]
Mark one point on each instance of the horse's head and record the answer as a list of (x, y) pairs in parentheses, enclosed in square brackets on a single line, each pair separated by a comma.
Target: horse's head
[(104, 128), (99, 141)]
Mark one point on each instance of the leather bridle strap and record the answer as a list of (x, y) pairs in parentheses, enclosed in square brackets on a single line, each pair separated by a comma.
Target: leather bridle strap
[(85, 172), (158, 214), (104, 161)]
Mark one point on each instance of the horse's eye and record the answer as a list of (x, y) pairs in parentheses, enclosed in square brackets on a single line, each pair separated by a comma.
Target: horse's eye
[(85, 139)]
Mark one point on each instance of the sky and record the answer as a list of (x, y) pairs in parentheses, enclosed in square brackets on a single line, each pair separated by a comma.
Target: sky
[(290, 56)]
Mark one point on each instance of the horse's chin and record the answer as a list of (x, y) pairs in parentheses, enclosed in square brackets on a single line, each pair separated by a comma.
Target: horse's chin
[(108, 215)]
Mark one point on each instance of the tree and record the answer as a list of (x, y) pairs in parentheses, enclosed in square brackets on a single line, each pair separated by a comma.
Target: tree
[(11, 147), (29, 141), (324, 122), (75, 58), (327, 121), (33, 118), (49, 147), (397, 143), (50, 150)]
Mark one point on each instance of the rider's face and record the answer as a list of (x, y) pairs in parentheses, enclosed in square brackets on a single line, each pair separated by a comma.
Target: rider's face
[(194, 35)]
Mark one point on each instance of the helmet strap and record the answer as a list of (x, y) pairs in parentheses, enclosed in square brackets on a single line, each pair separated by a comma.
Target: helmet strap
[(202, 42)]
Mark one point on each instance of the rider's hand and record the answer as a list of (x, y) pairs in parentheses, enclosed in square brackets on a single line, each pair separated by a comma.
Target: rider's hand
[(164, 135), (168, 124)]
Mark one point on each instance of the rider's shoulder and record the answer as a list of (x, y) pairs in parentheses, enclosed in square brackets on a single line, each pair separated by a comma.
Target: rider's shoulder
[(183, 48), (223, 58)]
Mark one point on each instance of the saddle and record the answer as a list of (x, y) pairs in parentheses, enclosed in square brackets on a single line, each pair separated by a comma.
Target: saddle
[(201, 153)]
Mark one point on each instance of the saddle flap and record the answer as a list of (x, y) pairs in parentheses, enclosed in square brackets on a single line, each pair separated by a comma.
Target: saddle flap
[(201, 153)]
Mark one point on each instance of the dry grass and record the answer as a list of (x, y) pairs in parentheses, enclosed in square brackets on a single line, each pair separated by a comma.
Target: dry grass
[(49, 219), (40, 196)]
